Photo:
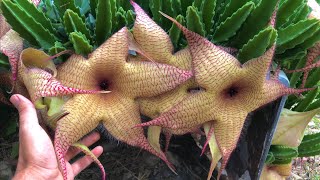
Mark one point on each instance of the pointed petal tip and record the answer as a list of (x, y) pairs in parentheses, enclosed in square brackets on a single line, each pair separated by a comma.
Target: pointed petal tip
[(174, 21), (60, 153), (186, 75), (89, 153), (154, 122)]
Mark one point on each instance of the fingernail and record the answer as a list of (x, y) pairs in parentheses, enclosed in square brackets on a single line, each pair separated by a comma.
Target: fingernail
[(15, 100)]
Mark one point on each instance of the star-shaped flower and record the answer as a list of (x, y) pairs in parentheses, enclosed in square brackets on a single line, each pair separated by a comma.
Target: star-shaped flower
[(148, 34), (230, 92), (109, 68)]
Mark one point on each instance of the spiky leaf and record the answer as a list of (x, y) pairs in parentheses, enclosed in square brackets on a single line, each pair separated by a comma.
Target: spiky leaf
[(26, 26), (93, 7), (257, 45), (176, 4), (121, 19), (36, 14), (155, 7), (113, 6), (58, 47), (310, 140), (283, 152), (103, 21), (308, 43), (229, 27), (302, 13), (80, 43), (63, 5), (175, 32), (167, 8), (311, 151), (314, 78), (257, 20), (194, 22), (74, 23), (130, 17), (207, 9), (230, 8), (296, 75), (303, 105), (285, 11), (314, 105), (296, 34)]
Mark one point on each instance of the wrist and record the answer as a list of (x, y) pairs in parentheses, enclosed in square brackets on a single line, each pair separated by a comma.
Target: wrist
[(36, 173)]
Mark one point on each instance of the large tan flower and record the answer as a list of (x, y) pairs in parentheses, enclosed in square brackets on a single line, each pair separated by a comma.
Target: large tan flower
[(108, 68), (148, 34), (230, 92)]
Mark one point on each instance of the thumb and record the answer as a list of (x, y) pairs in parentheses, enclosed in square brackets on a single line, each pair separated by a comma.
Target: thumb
[(27, 112)]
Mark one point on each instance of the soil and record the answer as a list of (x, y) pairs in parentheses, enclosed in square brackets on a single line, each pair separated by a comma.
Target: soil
[(308, 167), (124, 162)]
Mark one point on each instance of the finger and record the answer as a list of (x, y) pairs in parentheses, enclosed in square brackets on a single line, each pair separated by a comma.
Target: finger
[(87, 141), (27, 112), (85, 161)]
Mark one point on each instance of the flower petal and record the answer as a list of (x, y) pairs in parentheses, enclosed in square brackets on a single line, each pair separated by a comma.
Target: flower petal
[(185, 115), (87, 151), (151, 78), (11, 46), (152, 38), (70, 128), (291, 126), (119, 124)]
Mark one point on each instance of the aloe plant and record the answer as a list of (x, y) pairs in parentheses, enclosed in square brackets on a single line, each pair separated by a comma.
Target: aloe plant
[(94, 30)]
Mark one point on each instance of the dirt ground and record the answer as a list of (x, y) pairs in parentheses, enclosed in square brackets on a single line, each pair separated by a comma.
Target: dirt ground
[(308, 168), (124, 162)]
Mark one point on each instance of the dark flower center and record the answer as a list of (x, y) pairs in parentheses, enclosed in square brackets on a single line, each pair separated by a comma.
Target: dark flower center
[(104, 85), (232, 91)]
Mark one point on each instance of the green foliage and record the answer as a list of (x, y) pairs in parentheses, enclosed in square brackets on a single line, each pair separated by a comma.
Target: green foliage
[(63, 5), (282, 154), (310, 145), (207, 10), (4, 61), (314, 78), (194, 21), (296, 76), (155, 7), (74, 23), (229, 27), (314, 105), (286, 9), (175, 32), (296, 34), (258, 44), (80, 43), (230, 8), (257, 20), (270, 158), (26, 25), (103, 21), (121, 20), (304, 103)]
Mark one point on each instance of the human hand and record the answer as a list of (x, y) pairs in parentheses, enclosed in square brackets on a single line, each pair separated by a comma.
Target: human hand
[(37, 158)]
